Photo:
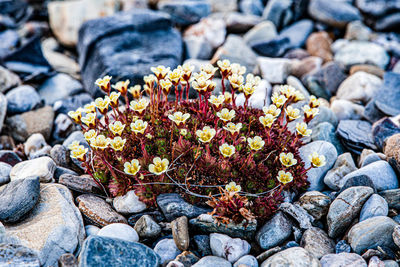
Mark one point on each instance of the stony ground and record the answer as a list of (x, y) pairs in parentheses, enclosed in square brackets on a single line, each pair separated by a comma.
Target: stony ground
[(343, 51)]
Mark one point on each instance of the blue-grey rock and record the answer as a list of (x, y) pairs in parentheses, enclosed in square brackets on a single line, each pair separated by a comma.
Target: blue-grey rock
[(392, 197), (297, 212), (274, 232), (3, 109), (21, 99), (317, 242), (343, 259), (212, 261), (18, 198), (375, 206), (342, 246), (72, 103), (166, 249), (146, 227), (248, 261), (325, 131), (369, 159), (203, 244), (104, 251), (359, 180), (75, 136), (387, 23), (272, 48), (263, 32), (17, 255), (333, 13), (371, 233), (173, 206), (345, 208), (343, 166), (361, 52), (295, 256), (383, 129), (316, 175), (297, 33), (396, 218), (228, 248), (5, 170), (279, 12), (381, 174), (378, 8), (8, 80), (59, 87), (356, 135), (119, 230), (185, 12), (91, 230), (8, 41), (126, 45), (251, 7), (315, 203)]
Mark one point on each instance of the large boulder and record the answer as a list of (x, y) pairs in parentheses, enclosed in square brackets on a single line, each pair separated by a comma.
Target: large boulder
[(126, 45)]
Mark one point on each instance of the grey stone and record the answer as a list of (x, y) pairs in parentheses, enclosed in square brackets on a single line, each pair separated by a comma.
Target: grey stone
[(173, 206), (146, 227), (342, 246), (380, 172), (72, 103), (360, 180), (316, 175), (54, 226), (383, 129), (262, 32), (356, 135), (180, 232), (128, 203), (315, 203), (370, 159), (373, 232), (202, 244), (228, 248), (91, 230), (317, 242), (5, 170), (34, 143), (18, 255), (390, 263), (343, 166), (68, 260), (347, 110), (185, 12), (274, 231), (279, 12), (63, 126), (274, 70), (251, 7), (345, 208), (8, 80), (104, 251), (43, 167), (343, 259), (166, 250), (212, 261), (119, 230), (356, 30), (294, 257), (297, 212), (3, 109), (375, 206), (18, 198), (248, 261), (392, 197), (297, 33), (59, 87), (82, 184), (21, 99), (325, 115), (396, 235), (377, 8)]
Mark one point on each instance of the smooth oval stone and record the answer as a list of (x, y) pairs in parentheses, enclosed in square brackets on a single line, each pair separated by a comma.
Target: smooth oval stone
[(375, 206)]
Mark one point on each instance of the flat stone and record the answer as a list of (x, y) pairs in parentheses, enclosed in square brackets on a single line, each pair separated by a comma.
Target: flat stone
[(359, 180), (384, 101), (316, 175), (8, 80), (72, 103), (42, 167), (343, 259), (306, 65), (229, 248), (173, 206), (18, 255), (185, 12), (343, 166), (98, 211), (53, 227), (356, 135), (212, 261), (247, 260), (5, 170), (262, 32), (383, 129), (297, 212), (119, 230), (325, 131), (28, 123), (317, 242), (65, 84), (371, 69), (146, 227), (347, 110), (274, 70), (18, 198), (202, 243), (297, 33), (373, 232), (294, 257), (166, 250), (274, 231), (128, 203), (392, 197), (21, 99), (345, 208), (105, 251), (375, 206), (315, 203)]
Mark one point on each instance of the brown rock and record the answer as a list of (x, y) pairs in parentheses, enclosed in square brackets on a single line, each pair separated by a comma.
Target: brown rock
[(68, 260), (317, 242), (180, 232), (319, 44), (83, 183), (396, 235), (306, 65), (369, 69), (187, 258), (392, 147), (98, 211), (315, 203)]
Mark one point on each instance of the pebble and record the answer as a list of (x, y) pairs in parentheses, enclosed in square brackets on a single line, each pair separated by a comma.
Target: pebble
[(343, 166), (375, 206), (317, 242), (21, 99), (173, 206), (91, 230), (389, 92), (5, 170), (316, 175), (342, 246), (167, 250), (274, 232), (392, 197), (274, 70), (396, 235), (356, 30), (294, 257), (3, 109), (9, 157), (381, 174), (82, 184), (34, 143), (361, 180), (298, 213), (54, 226), (128, 203), (297, 33), (180, 232), (63, 126), (119, 230), (325, 131), (306, 65), (345, 208), (72, 103), (42, 167), (371, 69), (248, 261), (212, 261), (359, 87), (105, 251), (279, 12), (263, 32), (8, 80), (28, 123), (343, 259), (373, 232), (67, 260), (383, 129), (315, 203), (228, 248), (18, 198), (98, 211), (359, 52), (18, 255), (65, 84), (347, 110), (356, 135), (187, 258), (319, 44), (146, 227)]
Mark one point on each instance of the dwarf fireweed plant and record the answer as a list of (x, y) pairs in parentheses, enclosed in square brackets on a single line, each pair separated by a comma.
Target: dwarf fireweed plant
[(237, 159)]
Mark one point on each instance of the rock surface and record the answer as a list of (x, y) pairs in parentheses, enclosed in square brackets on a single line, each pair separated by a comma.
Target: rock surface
[(42, 167), (296, 257), (274, 231), (229, 248), (317, 242)]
